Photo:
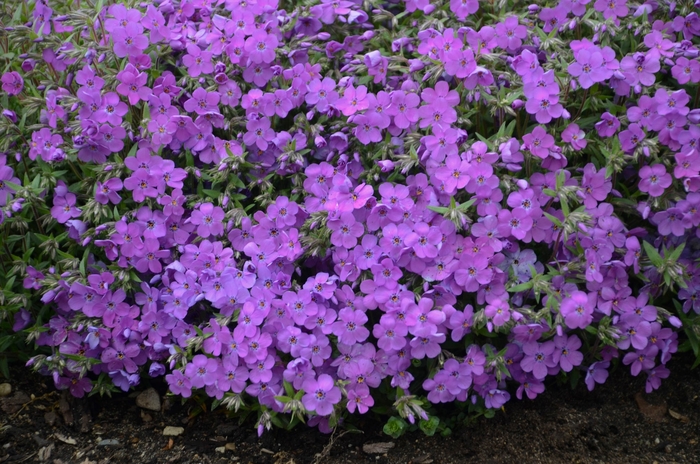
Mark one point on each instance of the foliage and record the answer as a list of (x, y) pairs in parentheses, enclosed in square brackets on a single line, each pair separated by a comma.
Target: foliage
[(306, 210)]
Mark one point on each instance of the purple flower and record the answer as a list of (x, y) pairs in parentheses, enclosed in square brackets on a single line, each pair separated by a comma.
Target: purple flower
[(202, 371), (350, 326), (437, 386), (129, 40), (359, 399), (608, 125), (320, 395), (424, 240), (641, 360), (538, 358), (346, 231), (152, 254), (544, 106), (640, 69), (367, 130), (112, 110), (654, 180), (587, 67), (516, 223), (577, 310), (321, 93), (473, 272), (539, 142), (259, 133), (22, 319), (612, 8), (686, 70), (119, 355), (463, 8), (575, 136), (566, 354), (671, 102), (353, 100), (654, 377), (12, 83), (596, 373), (197, 61), (179, 384), (64, 208), (403, 108), (260, 46), (203, 102), (132, 84), (630, 138), (510, 33)]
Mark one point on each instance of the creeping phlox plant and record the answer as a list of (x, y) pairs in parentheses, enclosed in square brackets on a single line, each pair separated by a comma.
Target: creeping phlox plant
[(311, 209)]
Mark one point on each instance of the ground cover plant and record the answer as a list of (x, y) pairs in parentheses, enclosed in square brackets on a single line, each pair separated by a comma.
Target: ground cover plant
[(308, 210)]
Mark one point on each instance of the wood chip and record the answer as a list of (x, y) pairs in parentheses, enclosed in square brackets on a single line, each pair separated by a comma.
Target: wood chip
[(230, 446), (378, 448), (65, 439), (653, 412), (170, 445), (678, 416), (45, 452)]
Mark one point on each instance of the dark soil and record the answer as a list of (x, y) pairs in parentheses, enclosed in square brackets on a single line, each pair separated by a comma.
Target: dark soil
[(616, 423)]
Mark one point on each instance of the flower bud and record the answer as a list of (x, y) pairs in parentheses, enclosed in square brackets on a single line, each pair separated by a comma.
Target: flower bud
[(323, 36), (415, 65), (367, 35), (28, 65), (517, 104), (694, 116), (386, 165), (675, 322), (11, 116)]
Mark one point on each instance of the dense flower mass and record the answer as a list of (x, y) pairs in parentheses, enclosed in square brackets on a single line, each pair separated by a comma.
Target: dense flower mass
[(295, 209)]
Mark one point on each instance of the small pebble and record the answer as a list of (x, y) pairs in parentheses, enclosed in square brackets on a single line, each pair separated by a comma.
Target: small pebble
[(220, 449), (171, 431), (5, 389), (149, 399), (108, 442), (51, 418)]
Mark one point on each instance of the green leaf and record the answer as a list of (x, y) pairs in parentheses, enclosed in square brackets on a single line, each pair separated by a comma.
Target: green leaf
[(554, 219), (677, 253), (439, 209), (564, 206), (430, 426), (395, 427), (211, 193), (653, 254), (521, 288), (132, 152)]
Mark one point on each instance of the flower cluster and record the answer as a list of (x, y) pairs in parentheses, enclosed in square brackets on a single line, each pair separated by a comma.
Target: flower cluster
[(308, 207)]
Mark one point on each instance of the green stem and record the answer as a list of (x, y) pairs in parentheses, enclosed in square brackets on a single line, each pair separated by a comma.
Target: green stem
[(583, 102), (73, 168)]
